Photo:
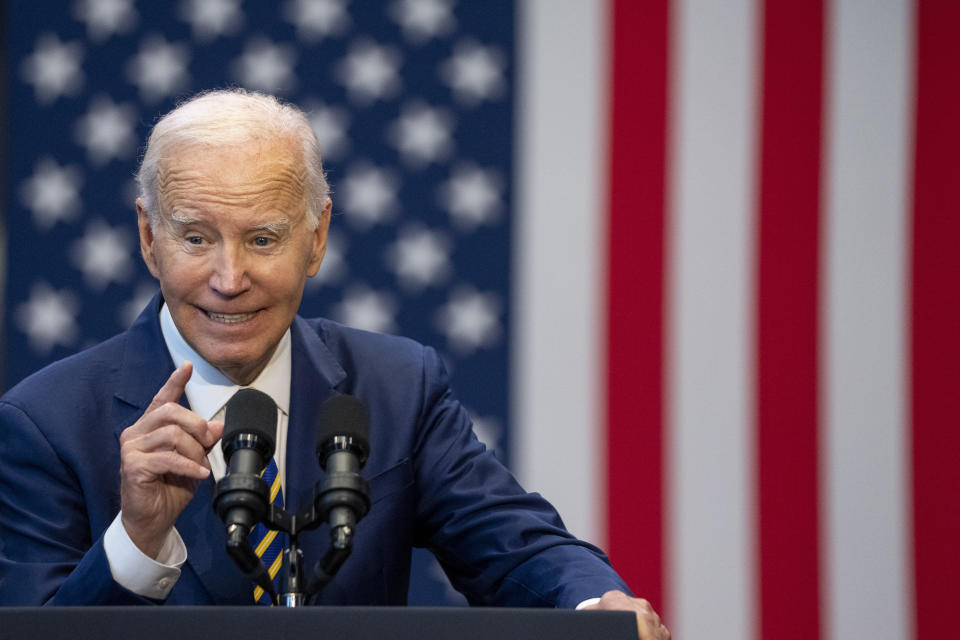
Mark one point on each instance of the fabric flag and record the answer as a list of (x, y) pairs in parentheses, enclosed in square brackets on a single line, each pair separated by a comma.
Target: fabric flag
[(693, 265), (739, 242)]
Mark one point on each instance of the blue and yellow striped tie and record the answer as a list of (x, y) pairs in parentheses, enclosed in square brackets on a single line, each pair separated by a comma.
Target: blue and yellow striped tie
[(267, 543)]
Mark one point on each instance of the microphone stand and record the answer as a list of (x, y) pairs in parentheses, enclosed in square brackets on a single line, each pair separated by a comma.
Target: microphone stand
[(341, 498)]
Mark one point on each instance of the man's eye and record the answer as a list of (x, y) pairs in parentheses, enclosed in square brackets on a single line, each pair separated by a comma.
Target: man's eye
[(195, 240), (262, 241)]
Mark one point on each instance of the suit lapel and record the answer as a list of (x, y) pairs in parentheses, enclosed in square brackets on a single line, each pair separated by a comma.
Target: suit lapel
[(146, 365), (314, 376)]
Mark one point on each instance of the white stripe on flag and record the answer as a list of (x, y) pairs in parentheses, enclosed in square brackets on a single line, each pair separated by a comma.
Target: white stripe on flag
[(709, 380), (866, 557), (557, 293)]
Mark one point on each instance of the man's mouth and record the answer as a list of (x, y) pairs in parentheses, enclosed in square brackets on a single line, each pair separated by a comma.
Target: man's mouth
[(229, 318)]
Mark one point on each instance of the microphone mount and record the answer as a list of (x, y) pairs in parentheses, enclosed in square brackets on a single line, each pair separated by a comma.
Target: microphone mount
[(336, 491), (340, 499)]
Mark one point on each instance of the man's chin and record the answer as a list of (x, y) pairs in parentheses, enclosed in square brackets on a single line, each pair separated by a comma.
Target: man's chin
[(240, 368), (241, 374)]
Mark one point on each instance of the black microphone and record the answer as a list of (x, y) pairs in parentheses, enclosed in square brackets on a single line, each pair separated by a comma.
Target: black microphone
[(342, 450), (342, 497), (248, 442), (242, 497)]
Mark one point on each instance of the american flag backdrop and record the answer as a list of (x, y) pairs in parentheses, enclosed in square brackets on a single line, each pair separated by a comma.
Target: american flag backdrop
[(694, 265)]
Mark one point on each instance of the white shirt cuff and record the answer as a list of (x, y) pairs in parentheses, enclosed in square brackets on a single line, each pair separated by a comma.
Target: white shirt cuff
[(587, 603), (138, 572)]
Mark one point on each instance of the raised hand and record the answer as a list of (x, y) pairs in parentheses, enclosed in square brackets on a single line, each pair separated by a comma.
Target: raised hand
[(163, 458)]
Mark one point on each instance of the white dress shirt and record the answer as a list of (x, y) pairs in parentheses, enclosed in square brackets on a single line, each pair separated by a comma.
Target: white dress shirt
[(207, 391)]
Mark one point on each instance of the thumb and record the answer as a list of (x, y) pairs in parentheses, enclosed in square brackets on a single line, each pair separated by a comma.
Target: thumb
[(173, 388)]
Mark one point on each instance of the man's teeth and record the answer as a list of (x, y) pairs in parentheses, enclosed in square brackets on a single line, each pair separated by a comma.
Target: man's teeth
[(229, 317)]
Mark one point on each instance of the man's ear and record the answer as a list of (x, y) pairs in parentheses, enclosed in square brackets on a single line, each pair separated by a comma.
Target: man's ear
[(146, 238), (319, 248)]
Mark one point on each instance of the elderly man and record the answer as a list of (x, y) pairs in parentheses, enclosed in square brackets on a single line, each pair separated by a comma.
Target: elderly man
[(109, 457)]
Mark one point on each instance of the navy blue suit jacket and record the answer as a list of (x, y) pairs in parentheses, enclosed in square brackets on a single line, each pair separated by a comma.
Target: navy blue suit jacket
[(432, 482)]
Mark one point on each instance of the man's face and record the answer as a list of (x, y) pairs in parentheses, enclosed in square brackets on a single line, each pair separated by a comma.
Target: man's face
[(232, 249)]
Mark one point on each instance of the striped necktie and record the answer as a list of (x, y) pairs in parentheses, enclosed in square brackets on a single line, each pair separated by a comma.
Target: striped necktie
[(268, 543)]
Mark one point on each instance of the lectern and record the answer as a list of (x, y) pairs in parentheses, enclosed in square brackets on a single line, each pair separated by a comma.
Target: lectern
[(313, 623)]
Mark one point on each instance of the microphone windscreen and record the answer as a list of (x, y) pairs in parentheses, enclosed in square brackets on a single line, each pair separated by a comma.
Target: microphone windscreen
[(251, 411), (343, 415)]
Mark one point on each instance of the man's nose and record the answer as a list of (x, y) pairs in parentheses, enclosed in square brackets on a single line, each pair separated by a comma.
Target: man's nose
[(229, 276)]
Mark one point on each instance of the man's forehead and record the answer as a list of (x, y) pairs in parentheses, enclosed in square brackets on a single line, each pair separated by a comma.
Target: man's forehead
[(261, 167), (268, 153)]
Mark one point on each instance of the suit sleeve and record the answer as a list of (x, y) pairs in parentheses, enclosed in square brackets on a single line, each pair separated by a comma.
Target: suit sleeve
[(498, 544), (47, 552)]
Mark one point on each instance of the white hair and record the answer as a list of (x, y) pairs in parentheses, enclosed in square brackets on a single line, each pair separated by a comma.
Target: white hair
[(230, 117)]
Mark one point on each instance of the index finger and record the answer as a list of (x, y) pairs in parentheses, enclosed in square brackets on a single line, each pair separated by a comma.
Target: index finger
[(173, 388)]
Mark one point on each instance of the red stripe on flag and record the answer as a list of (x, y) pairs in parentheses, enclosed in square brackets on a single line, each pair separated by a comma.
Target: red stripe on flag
[(787, 320), (935, 339), (635, 269)]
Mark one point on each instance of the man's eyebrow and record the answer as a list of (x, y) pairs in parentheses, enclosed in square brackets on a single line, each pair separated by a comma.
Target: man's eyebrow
[(278, 227), (183, 220)]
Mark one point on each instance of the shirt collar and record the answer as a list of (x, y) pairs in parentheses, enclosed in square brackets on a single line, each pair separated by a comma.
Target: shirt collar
[(208, 390)]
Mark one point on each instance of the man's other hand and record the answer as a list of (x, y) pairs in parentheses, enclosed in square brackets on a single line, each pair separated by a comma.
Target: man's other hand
[(163, 458), (649, 625)]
